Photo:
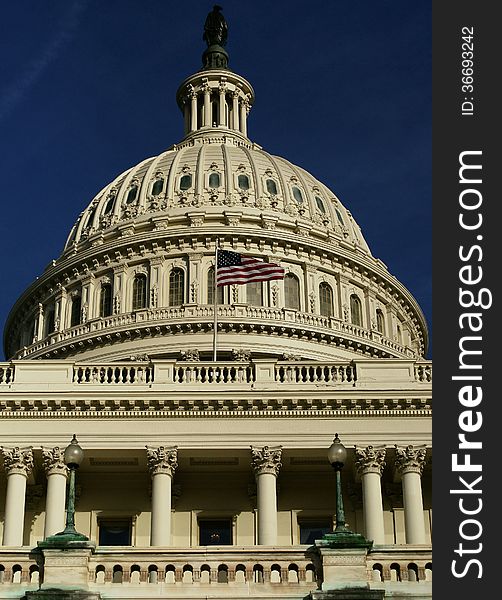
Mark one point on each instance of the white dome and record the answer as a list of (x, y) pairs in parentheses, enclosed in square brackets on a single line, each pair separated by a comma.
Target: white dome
[(203, 180)]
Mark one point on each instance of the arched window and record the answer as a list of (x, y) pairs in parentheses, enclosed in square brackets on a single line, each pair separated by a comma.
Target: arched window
[(254, 293), (176, 287), (214, 180), (139, 292), (76, 309), (297, 195), (50, 320), (326, 299), (90, 217), (292, 291), (105, 300), (157, 187), (186, 182), (340, 218), (109, 204), (320, 205), (131, 195), (243, 182), (380, 321), (356, 312), (271, 187), (210, 289)]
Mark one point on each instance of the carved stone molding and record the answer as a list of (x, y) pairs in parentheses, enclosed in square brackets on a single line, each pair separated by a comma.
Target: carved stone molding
[(54, 461), (410, 459), (370, 459), (266, 460), (18, 460), (162, 459)]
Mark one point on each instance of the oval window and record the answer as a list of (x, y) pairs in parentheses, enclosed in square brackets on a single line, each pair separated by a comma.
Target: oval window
[(243, 182), (271, 187), (186, 182), (297, 195), (157, 187), (340, 218), (214, 180), (109, 205)]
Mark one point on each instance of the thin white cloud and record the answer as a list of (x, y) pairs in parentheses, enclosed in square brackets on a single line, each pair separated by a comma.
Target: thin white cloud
[(18, 89)]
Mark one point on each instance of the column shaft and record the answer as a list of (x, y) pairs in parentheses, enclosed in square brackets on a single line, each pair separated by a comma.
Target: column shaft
[(243, 125), (161, 510), (373, 508), (267, 509), (55, 504), (207, 108), (193, 112), (413, 508), (14, 510)]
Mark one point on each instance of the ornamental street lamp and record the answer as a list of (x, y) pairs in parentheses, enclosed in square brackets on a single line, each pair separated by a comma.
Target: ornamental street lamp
[(342, 536), (69, 537), (337, 455)]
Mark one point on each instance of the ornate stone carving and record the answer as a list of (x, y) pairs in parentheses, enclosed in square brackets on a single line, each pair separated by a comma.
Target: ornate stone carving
[(410, 459), (370, 459), (162, 459), (275, 295), (312, 301), (241, 355), (18, 460), (190, 355), (266, 460), (194, 288), (154, 296), (54, 461)]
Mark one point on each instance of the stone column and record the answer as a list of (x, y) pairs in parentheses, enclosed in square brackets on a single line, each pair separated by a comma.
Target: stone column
[(162, 463), (370, 462), (410, 462), (222, 105), (55, 503), (193, 109), (243, 116), (235, 110), (18, 463), (39, 330), (207, 105), (266, 463)]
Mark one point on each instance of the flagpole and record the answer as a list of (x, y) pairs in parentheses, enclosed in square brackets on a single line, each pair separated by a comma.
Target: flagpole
[(215, 294)]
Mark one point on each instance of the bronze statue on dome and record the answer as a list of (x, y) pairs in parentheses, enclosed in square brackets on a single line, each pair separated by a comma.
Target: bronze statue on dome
[(215, 28)]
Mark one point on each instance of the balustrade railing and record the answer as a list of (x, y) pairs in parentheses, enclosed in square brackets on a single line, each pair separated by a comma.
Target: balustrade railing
[(178, 314), (219, 373), (135, 373), (6, 374), (315, 372)]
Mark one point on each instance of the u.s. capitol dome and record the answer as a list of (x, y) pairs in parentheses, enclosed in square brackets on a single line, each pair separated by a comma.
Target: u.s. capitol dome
[(136, 276)]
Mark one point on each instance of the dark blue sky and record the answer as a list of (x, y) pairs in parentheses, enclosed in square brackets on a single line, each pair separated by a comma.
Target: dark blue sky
[(87, 89)]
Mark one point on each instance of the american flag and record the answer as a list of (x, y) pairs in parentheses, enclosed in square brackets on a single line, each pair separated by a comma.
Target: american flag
[(233, 268)]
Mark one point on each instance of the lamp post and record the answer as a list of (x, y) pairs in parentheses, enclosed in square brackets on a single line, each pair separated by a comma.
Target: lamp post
[(69, 537), (337, 455), (342, 536), (73, 457)]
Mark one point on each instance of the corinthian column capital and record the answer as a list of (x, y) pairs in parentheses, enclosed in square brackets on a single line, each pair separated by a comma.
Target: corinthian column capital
[(370, 459), (54, 461), (266, 460), (410, 459), (18, 460), (162, 459)]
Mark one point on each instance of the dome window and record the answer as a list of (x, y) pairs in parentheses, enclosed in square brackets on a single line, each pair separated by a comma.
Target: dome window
[(76, 310), (214, 180), (90, 217), (157, 187), (380, 322), (210, 289), (110, 203), (356, 313), (131, 195), (139, 292), (339, 216), (326, 300), (320, 205), (243, 182), (176, 287), (50, 321), (186, 182), (105, 300), (297, 195), (292, 291), (271, 187), (254, 293)]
